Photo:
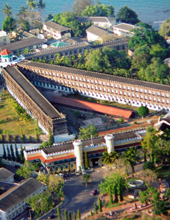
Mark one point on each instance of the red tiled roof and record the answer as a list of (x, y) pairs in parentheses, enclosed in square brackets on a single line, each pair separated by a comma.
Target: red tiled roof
[(5, 52), (117, 112), (51, 160)]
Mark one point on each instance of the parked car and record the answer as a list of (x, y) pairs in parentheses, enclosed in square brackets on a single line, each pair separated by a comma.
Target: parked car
[(83, 172), (93, 192), (77, 173)]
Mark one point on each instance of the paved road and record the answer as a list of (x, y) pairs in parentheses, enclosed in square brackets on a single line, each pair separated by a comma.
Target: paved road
[(78, 195)]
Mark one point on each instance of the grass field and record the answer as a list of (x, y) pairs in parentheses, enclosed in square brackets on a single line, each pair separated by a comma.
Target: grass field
[(11, 123)]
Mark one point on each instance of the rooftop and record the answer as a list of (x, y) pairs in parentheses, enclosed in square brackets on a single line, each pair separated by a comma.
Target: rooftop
[(99, 19), (101, 76), (93, 106), (22, 44), (5, 52), (125, 26), (18, 193), (5, 174), (56, 26), (97, 31), (121, 136), (33, 93)]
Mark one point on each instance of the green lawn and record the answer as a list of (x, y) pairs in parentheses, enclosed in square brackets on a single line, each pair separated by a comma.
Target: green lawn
[(11, 123)]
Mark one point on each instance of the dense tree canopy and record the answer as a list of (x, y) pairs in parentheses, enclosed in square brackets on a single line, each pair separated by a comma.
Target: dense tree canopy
[(68, 19), (9, 24), (106, 60), (114, 185), (127, 15), (98, 10), (145, 36), (80, 5), (88, 132), (143, 111), (164, 30)]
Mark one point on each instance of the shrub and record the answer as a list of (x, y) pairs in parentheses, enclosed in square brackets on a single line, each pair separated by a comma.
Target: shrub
[(148, 165)]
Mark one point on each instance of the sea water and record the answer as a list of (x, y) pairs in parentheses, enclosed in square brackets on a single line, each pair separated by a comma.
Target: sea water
[(153, 12)]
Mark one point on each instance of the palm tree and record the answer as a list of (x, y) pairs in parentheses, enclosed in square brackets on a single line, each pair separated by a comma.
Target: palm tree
[(86, 178), (41, 6), (109, 158), (31, 4), (22, 12), (7, 10), (130, 157)]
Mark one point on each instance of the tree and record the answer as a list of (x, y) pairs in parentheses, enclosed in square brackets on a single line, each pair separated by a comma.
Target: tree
[(69, 216), (95, 208), (127, 15), (149, 142), (80, 5), (109, 159), (54, 183), (164, 30), (9, 24), (99, 204), (8, 153), (78, 215), (86, 160), (31, 4), (106, 60), (26, 170), (58, 213), (157, 71), (86, 178), (146, 36), (4, 152), (22, 13), (21, 154), (41, 6), (51, 139), (130, 157), (7, 10), (88, 132), (143, 111), (40, 203), (114, 185), (12, 153), (74, 216), (141, 57), (144, 197), (98, 10), (66, 214)]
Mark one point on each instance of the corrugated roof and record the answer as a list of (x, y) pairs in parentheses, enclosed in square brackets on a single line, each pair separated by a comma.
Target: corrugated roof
[(125, 26), (97, 31), (32, 92), (18, 193), (101, 76), (5, 174), (22, 44), (93, 107), (56, 26)]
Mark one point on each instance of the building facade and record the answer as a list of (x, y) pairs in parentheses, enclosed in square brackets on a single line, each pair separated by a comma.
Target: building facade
[(97, 85), (55, 30), (36, 105), (70, 156), (13, 202)]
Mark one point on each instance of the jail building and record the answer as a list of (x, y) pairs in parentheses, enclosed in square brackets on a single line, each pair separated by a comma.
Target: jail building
[(36, 105), (98, 85), (70, 156)]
